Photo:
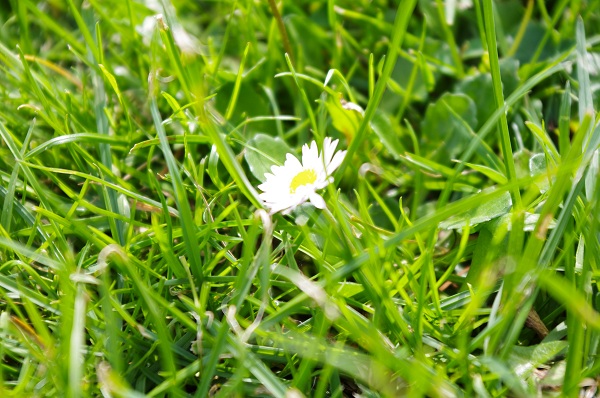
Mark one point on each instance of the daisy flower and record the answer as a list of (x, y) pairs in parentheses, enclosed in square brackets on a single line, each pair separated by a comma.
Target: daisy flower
[(292, 184)]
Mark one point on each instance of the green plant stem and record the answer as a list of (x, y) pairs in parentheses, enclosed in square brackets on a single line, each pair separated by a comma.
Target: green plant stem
[(450, 40), (282, 31)]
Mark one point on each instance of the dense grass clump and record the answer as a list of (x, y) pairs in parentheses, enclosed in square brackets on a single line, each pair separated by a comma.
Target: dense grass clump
[(458, 251)]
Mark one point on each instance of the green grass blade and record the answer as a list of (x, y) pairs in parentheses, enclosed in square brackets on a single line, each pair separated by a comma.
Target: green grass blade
[(186, 217), (403, 14)]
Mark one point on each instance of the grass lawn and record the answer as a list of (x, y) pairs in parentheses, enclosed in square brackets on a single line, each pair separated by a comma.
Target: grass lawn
[(312, 198)]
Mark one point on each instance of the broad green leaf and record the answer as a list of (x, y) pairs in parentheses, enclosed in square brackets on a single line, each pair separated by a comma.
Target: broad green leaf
[(537, 167), (263, 152), (400, 81), (479, 89), (527, 359), (445, 129), (554, 377), (530, 222), (534, 35), (487, 211), (249, 103), (522, 160), (383, 127), (345, 116)]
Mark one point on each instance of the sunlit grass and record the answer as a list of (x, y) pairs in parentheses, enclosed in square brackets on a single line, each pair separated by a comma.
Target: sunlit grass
[(458, 253)]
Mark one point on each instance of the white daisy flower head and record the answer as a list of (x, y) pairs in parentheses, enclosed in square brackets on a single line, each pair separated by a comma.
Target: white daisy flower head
[(294, 183)]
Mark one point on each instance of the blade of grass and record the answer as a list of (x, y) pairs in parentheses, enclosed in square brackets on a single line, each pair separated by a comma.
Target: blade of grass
[(182, 73), (186, 216), (236, 87), (403, 15), (124, 265), (12, 186), (97, 180), (77, 346), (282, 31), (449, 38), (305, 101), (509, 163), (564, 130), (227, 156)]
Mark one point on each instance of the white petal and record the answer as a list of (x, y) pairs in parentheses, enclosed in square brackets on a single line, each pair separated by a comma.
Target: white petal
[(328, 150), (269, 177), (335, 162), (286, 205), (271, 197), (351, 106), (292, 164), (310, 155), (317, 201), (323, 183), (276, 194), (275, 169), (274, 210), (305, 190), (287, 211), (277, 183)]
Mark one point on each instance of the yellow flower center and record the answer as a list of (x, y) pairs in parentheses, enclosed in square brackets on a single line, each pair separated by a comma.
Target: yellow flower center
[(305, 177)]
